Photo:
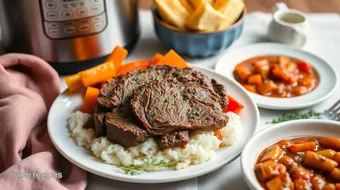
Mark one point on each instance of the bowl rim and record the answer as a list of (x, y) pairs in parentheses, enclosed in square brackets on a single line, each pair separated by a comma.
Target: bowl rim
[(170, 27), (250, 181)]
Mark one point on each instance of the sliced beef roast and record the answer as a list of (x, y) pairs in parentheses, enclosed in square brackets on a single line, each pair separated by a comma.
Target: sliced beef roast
[(89, 123), (124, 129), (99, 125), (221, 91), (99, 117), (178, 104), (173, 139), (119, 91)]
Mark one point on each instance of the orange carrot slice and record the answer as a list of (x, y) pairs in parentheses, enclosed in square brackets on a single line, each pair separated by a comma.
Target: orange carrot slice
[(218, 134), (156, 58), (90, 100), (117, 56), (173, 59), (73, 82), (97, 74), (133, 66)]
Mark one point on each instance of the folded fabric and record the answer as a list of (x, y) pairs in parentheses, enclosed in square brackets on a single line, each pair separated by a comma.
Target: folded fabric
[(28, 159)]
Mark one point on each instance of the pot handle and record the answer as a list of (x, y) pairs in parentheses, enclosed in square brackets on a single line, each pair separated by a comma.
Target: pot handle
[(279, 6)]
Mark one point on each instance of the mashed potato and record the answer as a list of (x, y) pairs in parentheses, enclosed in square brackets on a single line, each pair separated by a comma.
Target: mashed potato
[(146, 156)]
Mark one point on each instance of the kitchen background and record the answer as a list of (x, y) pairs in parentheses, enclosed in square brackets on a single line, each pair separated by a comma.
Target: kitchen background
[(308, 6)]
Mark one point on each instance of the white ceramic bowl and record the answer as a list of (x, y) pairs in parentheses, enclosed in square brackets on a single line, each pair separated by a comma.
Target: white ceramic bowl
[(272, 134), (328, 77)]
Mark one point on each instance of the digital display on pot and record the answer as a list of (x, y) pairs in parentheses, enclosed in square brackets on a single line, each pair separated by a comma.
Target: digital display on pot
[(73, 18)]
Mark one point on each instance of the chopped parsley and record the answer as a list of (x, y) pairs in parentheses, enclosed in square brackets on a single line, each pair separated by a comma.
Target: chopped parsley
[(176, 74), (193, 113), (294, 116), (148, 165), (136, 80), (130, 172), (185, 96), (153, 114), (166, 100), (147, 85), (143, 70)]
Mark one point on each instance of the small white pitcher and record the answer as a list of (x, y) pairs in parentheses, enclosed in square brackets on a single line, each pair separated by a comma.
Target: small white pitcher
[(288, 26)]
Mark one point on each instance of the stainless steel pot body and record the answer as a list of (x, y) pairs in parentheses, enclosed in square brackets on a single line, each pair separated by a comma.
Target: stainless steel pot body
[(64, 31)]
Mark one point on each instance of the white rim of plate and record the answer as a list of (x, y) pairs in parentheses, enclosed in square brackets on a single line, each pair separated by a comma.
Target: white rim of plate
[(128, 178), (326, 87)]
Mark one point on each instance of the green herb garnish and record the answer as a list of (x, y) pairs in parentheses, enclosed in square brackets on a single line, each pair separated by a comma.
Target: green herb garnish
[(177, 74), (166, 100), (294, 116), (185, 96), (193, 113), (148, 165), (136, 80), (130, 172), (153, 114), (147, 85)]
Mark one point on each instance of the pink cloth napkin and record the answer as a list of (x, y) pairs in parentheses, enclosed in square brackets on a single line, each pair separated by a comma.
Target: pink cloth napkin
[(28, 159)]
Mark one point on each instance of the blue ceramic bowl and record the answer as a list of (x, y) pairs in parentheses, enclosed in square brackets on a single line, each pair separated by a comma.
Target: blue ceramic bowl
[(196, 44)]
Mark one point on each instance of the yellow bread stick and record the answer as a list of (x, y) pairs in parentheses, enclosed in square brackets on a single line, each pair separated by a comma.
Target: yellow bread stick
[(205, 18), (172, 12), (231, 9)]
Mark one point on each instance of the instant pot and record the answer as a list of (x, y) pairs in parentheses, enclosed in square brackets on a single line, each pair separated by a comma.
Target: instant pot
[(71, 35)]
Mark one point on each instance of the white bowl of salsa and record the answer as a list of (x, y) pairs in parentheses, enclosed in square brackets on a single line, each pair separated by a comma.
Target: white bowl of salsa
[(279, 76)]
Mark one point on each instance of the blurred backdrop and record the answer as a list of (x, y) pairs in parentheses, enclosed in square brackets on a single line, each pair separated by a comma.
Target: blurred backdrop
[(308, 6)]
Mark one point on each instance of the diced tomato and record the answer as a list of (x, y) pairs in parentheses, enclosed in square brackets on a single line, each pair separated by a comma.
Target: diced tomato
[(233, 105), (291, 80), (303, 66), (251, 88)]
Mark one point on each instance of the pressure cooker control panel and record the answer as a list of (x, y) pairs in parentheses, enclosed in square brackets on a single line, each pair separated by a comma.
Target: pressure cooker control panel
[(73, 18)]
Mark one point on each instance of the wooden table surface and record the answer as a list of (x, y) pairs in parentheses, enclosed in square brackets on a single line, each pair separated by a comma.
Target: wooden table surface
[(308, 6)]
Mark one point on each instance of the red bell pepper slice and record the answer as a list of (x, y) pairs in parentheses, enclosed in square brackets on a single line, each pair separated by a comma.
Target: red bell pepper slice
[(303, 66), (233, 105)]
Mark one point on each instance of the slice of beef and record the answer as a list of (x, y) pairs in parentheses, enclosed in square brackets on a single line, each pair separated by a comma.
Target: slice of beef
[(89, 123), (119, 91), (100, 128), (99, 123), (107, 91), (178, 104), (123, 128), (221, 91), (173, 139), (204, 80)]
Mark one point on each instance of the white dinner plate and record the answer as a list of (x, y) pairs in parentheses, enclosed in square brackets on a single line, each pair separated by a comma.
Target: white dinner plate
[(328, 78), (66, 103), (285, 130)]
